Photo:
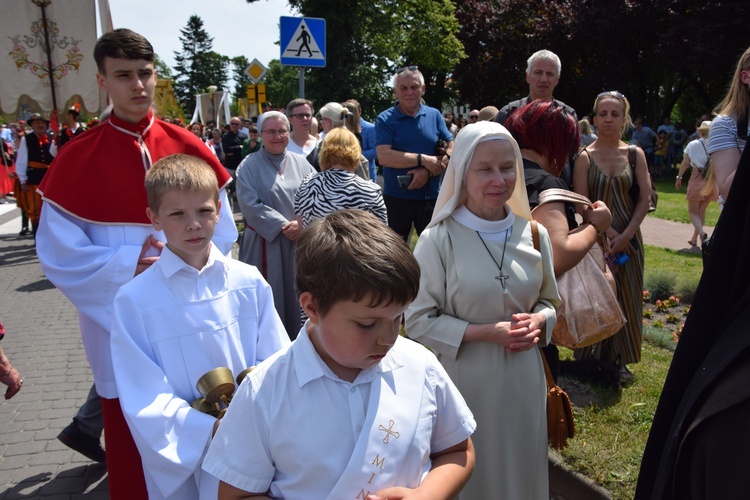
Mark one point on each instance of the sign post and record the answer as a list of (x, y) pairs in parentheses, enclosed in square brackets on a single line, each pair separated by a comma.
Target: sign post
[(303, 44)]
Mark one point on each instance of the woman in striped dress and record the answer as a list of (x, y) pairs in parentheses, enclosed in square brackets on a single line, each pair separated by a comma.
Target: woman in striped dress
[(336, 187), (602, 172)]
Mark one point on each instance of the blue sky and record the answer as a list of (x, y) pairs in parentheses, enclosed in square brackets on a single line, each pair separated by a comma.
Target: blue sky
[(238, 28)]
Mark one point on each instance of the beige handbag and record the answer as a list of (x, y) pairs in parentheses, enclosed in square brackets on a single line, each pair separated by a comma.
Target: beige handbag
[(590, 311)]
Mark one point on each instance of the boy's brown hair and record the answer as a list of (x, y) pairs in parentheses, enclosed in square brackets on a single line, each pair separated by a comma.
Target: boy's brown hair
[(122, 43), (350, 255), (179, 172)]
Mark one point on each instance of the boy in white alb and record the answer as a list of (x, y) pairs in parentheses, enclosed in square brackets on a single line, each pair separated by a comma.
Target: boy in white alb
[(351, 409), (192, 311)]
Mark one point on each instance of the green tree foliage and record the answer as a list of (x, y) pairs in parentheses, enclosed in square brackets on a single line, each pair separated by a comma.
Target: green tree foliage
[(282, 84), (198, 66), (367, 41), (241, 79), (659, 54), (162, 70)]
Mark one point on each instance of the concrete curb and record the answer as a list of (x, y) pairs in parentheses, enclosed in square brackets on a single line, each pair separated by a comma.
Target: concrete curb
[(565, 484)]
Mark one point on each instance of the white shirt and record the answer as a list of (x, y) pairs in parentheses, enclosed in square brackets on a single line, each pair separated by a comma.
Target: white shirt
[(292, 147), (697, 152), (22, 156), (172, 324), (293, 423)]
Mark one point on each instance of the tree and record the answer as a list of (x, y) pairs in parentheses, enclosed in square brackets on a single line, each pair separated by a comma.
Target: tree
[(241, 79), (282, 84), (198, 67), (367, 41), (673, 57), (162, 70)]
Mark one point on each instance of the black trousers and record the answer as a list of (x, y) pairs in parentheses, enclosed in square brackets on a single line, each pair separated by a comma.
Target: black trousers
[(402, 213)]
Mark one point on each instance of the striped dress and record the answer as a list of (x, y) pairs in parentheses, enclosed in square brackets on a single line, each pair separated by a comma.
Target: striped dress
[(625, 344), (325, 192)]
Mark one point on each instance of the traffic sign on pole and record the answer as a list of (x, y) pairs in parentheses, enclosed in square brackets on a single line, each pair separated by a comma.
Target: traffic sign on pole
[(255, 70), (303, 41)]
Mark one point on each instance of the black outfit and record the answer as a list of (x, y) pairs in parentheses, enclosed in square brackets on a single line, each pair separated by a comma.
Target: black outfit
[(231, 143), (539, 180), (699, 445), (66, 136)]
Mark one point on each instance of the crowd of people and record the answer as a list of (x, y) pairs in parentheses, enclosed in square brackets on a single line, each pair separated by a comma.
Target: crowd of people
[(339, 404)]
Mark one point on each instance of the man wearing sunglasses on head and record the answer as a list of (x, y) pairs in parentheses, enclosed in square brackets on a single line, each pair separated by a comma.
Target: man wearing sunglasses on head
[(413, 145)]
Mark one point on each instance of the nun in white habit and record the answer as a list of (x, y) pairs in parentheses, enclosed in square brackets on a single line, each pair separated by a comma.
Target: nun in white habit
[(487, 300)]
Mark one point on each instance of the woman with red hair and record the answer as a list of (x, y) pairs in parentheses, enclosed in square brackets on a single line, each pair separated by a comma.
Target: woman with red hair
[(547, 136)]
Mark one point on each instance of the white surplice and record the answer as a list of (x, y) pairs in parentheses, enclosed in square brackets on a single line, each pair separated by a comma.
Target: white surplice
[(89, 262), (505, 390), (295, 428), (171, 325)]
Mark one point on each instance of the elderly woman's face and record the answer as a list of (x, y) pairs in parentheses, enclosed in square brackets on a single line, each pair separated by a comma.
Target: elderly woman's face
[(490, 179), (275, 135)]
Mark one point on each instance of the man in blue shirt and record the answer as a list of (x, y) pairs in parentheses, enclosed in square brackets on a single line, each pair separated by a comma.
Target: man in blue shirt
[(406, 142)]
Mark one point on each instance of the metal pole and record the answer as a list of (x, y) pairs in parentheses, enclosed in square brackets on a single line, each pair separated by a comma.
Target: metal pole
[(302, 82), (42, 4)]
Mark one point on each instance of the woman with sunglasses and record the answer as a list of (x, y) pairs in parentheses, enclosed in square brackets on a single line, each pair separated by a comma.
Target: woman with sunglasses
[(603, 172)]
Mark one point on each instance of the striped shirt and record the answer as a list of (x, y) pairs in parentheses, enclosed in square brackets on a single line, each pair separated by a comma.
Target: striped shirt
[(324, 192), (723, 135)]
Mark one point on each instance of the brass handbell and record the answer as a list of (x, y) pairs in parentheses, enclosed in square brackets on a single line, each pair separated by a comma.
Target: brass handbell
[(244, 373), (216, 385)]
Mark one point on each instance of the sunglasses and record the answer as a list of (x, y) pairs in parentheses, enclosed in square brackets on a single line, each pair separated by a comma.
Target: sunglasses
[(410, 68), (473, 117), (611, 93)]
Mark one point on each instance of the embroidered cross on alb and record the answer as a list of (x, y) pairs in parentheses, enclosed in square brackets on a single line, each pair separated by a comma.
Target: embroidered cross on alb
[(388, 431)]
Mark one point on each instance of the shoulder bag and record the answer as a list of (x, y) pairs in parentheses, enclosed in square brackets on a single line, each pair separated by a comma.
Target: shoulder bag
[(560, 424), (590, 311), (635, 189)]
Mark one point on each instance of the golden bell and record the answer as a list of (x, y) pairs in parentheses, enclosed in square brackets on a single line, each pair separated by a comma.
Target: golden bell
[(244, 373), (204, 406), (216, 385)]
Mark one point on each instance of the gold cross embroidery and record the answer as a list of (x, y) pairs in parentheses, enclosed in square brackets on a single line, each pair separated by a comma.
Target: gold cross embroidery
[(389, 431)]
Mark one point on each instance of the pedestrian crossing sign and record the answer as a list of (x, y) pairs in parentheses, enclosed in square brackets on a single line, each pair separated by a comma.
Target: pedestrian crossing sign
[(303, 41)]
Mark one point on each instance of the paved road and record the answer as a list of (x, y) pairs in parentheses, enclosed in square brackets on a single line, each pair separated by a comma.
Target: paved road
[(44, 344)]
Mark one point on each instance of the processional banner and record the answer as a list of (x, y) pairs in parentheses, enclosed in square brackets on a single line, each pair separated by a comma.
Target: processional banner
[(24, 61)]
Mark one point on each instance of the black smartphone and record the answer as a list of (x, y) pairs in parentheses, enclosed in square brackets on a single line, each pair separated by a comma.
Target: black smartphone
[(404, 180)]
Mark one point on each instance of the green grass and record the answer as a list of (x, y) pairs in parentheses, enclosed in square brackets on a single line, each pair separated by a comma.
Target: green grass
[(611, 432), (611, 435), (673, 205), (686, 266)]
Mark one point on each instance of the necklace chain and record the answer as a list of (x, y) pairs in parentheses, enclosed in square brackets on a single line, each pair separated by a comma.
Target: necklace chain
[(501, 277)]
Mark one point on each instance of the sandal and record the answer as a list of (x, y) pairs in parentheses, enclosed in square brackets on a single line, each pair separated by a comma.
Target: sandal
[(692, 243)]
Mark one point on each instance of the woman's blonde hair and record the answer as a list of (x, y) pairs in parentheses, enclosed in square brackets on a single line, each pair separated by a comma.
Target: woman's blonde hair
[(334, 112), (628, 123), (737, 100), (340, 147)]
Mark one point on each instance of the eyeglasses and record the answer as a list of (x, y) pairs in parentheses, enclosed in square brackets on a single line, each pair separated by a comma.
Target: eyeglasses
[(611, 93), (410, 68), (301, 116), (473, 117), (272, 132)]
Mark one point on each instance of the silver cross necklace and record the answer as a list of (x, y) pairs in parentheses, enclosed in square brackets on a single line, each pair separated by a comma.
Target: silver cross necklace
[(501, 277)]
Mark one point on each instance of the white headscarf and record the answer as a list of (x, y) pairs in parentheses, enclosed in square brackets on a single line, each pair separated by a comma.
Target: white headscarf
[(453, 193)]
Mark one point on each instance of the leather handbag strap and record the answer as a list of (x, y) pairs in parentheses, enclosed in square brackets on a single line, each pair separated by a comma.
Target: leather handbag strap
[(535, 234), (557, 194), (547, 372)]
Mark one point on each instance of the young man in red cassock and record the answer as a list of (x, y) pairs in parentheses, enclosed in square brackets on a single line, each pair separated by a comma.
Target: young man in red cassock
[(94, 234)]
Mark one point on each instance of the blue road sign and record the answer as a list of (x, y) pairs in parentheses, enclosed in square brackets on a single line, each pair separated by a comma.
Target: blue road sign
[(303, 41)]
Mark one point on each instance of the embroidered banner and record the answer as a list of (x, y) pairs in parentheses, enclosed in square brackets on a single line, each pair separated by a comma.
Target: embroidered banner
[(71, 26)]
